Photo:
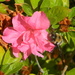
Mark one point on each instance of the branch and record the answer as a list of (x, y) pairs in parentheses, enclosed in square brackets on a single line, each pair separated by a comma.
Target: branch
[(64, 70), (41, 70)]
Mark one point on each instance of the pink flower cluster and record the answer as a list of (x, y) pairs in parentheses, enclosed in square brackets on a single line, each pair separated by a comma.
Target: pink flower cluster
[(28, 35)]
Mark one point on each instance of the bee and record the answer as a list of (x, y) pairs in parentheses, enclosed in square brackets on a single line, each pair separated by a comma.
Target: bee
[(56, 39)]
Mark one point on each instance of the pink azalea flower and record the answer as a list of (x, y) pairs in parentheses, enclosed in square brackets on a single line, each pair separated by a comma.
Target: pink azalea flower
[(28, 35)]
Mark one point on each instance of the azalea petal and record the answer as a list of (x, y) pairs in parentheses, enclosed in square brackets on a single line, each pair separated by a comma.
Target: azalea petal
[(20, 39), (44, 44), (40, 38), (27, 53), (18, 23), (49, 46), (15, 51), (23, 47), (10, 35), (39, 21), (41, 50), (41, 34), (26, 36), (34, 50), (40, 44)]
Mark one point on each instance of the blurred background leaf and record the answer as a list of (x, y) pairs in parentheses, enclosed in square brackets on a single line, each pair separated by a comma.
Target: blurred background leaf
[(9, 58), (2, 52), (2, 0), (27, 9), (3, 8), (19, 1), (34, 3), (71, 72), (13, 68), (57, 13)]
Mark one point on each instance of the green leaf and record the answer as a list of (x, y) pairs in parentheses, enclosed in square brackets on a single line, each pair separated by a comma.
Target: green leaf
[(32, 74), (26, 62), (45, 4), (58, 13), (49, 66), (69, 37), (13, 68), (3, 8), (9, 58), (72, 38), (73, 22), (55, 26), (45, 71), (2, 0), (2, 52), (34, 3), (55, 3), (72, 33), (44, 9), (72, 13), (19, 1), (70, 46), (71, 72), (51, 3), (4, 68), (27, 9), (65, 3)]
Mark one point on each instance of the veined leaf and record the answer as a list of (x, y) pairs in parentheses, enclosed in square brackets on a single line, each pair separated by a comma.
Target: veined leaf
[(51, 3), (27, 9), (2, 52), (70, 42), (65, 3), (3, 8), (71, 72), (2, 0), (19, 1), (72, 13), (34, 3), (58, 13), (12, 68), (72, 34), (9, 58)]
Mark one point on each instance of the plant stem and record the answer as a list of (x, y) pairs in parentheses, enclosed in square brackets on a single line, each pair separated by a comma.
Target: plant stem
[(64, 70), (41, 70)]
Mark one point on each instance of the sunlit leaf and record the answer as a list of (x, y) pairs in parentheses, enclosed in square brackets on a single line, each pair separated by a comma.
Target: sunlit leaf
[(45, 4), (26, 62), (9, 58), (27, 9), (58, 13), (51, 3), (71, 72), (13, 68), (72, 13), (72, 33), (4, 68), (45, 71), (3, 8), (34, 3), (73, 22), (65, 3), (2, 0), (32, 74), (55, 3), (70, 43), (55, 26), (19, 1), (2, 52)]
